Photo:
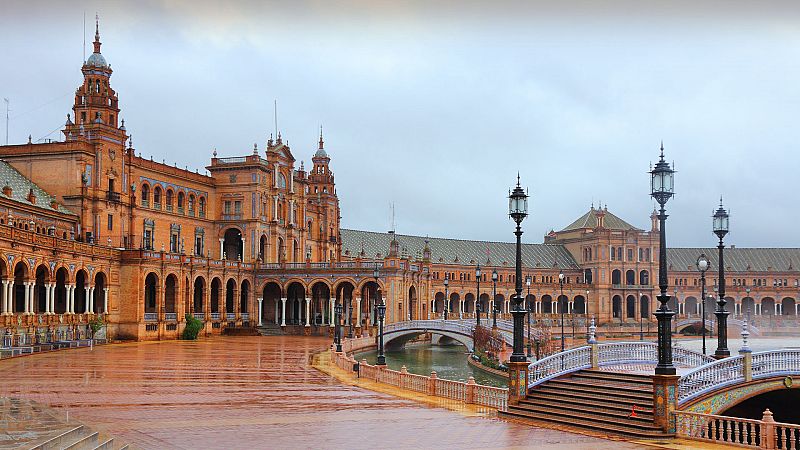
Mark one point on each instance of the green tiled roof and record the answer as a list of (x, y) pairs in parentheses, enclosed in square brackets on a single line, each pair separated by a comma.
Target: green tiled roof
[(589, 220), (456, 250), (21, 186), (737, 259)]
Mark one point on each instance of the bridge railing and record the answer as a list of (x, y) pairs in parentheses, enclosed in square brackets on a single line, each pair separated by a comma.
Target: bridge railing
[(762, 434), (440, 325), (737, 369), (606, 354)]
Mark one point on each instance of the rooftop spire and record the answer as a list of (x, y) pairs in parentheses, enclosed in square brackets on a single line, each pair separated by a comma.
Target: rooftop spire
[(321, 142), (96, 33)]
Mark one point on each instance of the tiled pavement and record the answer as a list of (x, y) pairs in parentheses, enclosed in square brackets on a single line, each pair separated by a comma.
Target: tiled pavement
[(251, 392)]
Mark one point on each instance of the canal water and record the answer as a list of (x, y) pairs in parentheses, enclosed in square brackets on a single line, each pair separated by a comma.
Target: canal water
[(757, 344), (449, 362)]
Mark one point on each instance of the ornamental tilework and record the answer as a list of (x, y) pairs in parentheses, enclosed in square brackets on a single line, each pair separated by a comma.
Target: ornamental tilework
[(724, 400)]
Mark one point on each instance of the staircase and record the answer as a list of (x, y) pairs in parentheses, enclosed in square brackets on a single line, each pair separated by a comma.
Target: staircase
[(593, 400), (270, 329), (81, 438)]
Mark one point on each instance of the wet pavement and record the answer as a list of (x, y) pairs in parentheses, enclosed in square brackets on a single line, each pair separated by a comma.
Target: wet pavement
[(250, 392)]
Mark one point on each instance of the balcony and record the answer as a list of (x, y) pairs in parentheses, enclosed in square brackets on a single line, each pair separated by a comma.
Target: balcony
[(171, 317), (150, 317), (112, 196), (200, 316), (231, 217), (230, 316), (215, 316), (145, 203), (169, 208), (180, 210)]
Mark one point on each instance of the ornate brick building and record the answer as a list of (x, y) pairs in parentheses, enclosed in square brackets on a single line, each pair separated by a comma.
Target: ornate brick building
[(90, 228)]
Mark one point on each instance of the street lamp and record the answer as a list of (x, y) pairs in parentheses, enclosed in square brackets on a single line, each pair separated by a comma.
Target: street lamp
[(662, 188), (747, 290), (350, 316), (494, 298), (527, 299), (518, 210), (561, 305), (337, 338), (702, 266), (446, 297), (641, 318), (381, 315), (478, 296), (721, 229)]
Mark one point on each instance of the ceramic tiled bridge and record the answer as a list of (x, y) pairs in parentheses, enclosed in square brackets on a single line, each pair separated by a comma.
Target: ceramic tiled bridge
[(599, 385)]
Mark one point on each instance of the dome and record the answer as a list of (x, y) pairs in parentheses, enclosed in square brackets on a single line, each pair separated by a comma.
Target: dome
[(320, 153), (96, 60)]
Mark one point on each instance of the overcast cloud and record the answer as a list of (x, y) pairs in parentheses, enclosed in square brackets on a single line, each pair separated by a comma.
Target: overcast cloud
[(436, 107)]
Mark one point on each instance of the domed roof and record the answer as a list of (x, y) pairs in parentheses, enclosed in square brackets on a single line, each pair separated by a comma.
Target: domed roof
[(96, 60), (320, 153)]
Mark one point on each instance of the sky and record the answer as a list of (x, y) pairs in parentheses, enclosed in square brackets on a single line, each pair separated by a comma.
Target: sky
[(436, 106)]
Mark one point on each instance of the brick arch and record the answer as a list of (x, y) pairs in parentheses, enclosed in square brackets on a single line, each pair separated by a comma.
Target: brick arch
[(290, 281), (341, 281), (321, 280), (263, 285), (719, 401)]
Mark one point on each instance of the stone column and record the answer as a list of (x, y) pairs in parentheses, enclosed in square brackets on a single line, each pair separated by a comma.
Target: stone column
[(244, 249), (308, 312), (517, 381), (90, 300), (105, 300), (283, 311), (28, 297), (332, 316), (277, 318), (70, 298), (260, 306), (221, 248), (47, 296), (460, 308), (6, 309), (358, 311)]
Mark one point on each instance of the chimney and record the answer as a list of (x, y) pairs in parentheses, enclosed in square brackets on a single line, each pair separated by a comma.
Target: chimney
[(31, 197), (7, 191)]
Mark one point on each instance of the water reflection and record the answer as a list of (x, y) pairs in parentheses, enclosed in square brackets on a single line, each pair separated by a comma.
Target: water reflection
[(449, 362)]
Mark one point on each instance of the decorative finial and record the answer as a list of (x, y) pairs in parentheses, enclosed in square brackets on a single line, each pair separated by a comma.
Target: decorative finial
[(592, 329), (96, 33), (517, 178), (130, 141), (745, 335), (122, 127), (662, 149), (215, 152), (720, 200), (321, 142), (302, 166), (255, 148), (29, 138)]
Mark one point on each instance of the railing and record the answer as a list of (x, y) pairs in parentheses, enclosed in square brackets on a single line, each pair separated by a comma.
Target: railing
[(230, 316), (738, 369), (245, 316), (112, 196), (150, 317), (468, 392), (215, 316), (200, 316), (764, 433), (170, 317), (559, 364), (434, 325)]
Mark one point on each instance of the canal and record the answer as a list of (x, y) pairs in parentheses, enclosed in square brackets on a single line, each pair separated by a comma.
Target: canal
[(449, 362)]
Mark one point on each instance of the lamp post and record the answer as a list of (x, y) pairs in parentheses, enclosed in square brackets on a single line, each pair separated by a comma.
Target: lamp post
[(721, 229), (381, 315), (561, 305), (478, 296), (350, 316), (446, 297), (337, 338), (641, 318), (527, 299), (662, 188), (702, 266), (494, 298), (747, 290), (586, 310), (518, 210)]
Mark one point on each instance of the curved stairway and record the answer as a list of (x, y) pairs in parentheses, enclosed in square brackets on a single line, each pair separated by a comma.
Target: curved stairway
[(593, 400)]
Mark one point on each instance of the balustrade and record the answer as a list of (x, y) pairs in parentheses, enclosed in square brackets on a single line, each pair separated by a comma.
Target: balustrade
[(150, 317), (764, 433)]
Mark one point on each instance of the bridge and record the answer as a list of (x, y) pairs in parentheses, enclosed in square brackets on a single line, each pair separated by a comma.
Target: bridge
[(711, 324), (398, 333)]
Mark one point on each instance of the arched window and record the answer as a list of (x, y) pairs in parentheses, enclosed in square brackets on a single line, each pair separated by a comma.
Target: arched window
[(180, 199), (191, 204), (169, 198), (157, 197), (281, 181), (145, 195), (202, 207), (644, 278)]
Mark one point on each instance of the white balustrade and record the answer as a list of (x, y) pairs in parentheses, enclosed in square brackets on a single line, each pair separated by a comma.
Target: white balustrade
[(559, 364)]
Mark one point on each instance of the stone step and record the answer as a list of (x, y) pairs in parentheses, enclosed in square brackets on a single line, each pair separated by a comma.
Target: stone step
[(615, 384), (588, 424), (64, 439), (614, 376), (557, 386), (589, 404), (105, 444), (88, 442), (594, 413)]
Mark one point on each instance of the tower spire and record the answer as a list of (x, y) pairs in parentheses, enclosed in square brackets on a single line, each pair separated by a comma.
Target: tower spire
[(96, 33), (321, 142)]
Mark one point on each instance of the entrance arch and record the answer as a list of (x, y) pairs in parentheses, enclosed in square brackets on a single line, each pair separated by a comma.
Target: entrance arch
[(99, 293), (233, 245), (412, 303), (230, 295), (244, 296), (216, 286), (170, 293), (199, 294), (150, 289), (271, 311)]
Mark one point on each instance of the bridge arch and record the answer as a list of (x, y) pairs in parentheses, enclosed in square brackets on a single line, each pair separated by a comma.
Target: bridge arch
[(723, 400)]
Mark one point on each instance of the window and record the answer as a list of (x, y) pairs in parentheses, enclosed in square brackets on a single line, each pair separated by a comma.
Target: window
[(180, 199), (237, 207), (157, 197), (148, 239), (173, 242), (227, 207), (198, 245), (169, 198), (110, 222), (191, 204), (145, 195), (630, 254), (111, 185), (202, 208)]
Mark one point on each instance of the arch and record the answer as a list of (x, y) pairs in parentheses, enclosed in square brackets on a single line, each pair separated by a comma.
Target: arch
[(616, 307), (453, 303), (60, 302), (145, 194), (233, 246), (788, 307), (587, 276), (320, 302), (201, 206), (191, 203), (81, 284), (98, 294), (280, 250), (644, 278), (413, 314), (748, 308), (547, 304), (530, 303), (170, 293), (644, 307), (768, 306), (216, 287), (157, 197), (499, 301), (630, 277), (469, 303), (39, 291), (230, 295), (262, 248), (690, 306), (150, 288), (20, 278), (181, 199), (630, 307), (199, 294), (484, 302), (579, 305), (169, 196), (244, 296), (295, 308), (271, 310), (616, 277), (369, 299), (438, 303)]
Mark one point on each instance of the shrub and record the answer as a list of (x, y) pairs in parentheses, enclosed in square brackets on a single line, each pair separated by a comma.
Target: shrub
[(96, 324), (193, 327)]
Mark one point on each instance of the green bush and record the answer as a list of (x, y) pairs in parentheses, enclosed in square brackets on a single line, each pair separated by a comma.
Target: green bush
[(96, 324), (193, 327)]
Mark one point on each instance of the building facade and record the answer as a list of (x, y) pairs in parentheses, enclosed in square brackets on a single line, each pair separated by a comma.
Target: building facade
[(89, 228)]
